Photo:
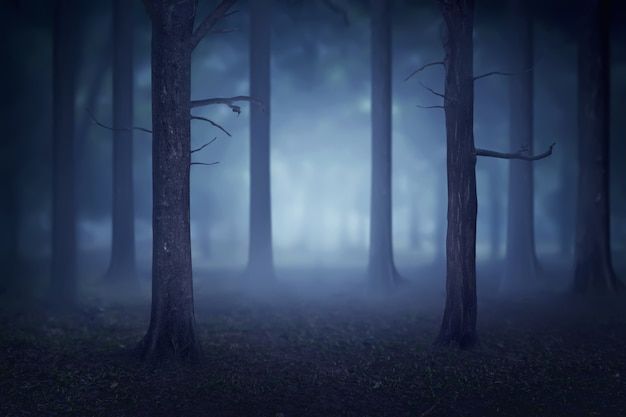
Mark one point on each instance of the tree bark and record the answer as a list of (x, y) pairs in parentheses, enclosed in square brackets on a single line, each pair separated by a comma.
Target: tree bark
[(381, 269), (63, 266), (594, 270), (171, 334), (459, 318), (521, 261), (260, 255), (122, 263)]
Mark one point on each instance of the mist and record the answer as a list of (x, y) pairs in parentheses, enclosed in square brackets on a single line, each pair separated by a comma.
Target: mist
[(317, 208)]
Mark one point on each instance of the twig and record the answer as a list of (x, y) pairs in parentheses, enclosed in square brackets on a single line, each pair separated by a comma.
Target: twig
[(116, 129), (210, 21), (204, 146), (506, 74), (515, 155), (422, 68), (204, 119), (432, 91)]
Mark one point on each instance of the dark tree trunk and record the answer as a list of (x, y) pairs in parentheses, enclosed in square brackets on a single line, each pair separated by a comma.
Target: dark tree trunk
[(381, 267), (594, 270), (459, 318), (260, 259), (171, 333), (122, 264), (63, 274), (440, 217), (496, 218), (521, 262)]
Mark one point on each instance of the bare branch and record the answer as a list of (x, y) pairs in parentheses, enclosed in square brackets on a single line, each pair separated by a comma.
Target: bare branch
[(116, 129), (521, 154), (204, 146), (422, 68), (429, 107), (205, 163), (432, 91), (204, 119), (210, 21), (505, 74), (228, 101)]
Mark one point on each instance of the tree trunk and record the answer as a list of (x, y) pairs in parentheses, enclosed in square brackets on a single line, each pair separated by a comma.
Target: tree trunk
[(63, 268), (381, 267), (594, 270), (171, 334), (521, 262), (260, 259), (495, 224), (122, 264), (459, 318)]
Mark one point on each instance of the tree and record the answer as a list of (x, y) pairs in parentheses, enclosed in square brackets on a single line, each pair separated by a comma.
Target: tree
[(63, 274), (381, 268), (521, 260), (260, 254), (594, 270), (459, 318), (122, 263), (171, 334)]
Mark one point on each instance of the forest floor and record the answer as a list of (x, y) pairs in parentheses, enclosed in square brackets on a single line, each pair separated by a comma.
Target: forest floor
[(309, 353)]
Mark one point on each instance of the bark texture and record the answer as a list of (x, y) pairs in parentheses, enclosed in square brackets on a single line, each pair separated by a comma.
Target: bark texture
[(122, 264), (63, 273), (459, 318), (521, 261), (381, 267), (260, 256), (594, 270), (171, 334)]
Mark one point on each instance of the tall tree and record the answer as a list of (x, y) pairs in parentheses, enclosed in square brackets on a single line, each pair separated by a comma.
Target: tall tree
[(171, 333), (381, 268), (459, 317), (122, 263), (521, 261), (260, 254), (594, 270), (63, 274)]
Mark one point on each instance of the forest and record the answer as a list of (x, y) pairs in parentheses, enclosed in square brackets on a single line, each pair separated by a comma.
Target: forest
[(289, 208)]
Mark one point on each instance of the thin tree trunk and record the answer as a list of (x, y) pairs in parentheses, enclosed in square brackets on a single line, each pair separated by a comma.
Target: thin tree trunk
[(594, 270), (381, 267), (521, 262), (122, 264), (171, 334), (459, 318), (63, 274), (260, 257)]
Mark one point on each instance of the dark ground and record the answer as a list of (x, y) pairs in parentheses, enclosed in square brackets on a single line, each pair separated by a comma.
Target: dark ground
[(310, 353)]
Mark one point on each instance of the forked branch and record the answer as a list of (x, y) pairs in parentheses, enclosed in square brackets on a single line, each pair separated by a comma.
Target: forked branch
[(209, 22), (521, 154)]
